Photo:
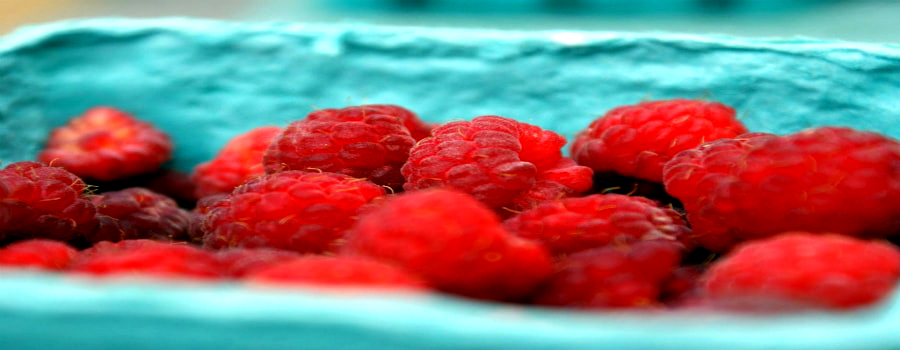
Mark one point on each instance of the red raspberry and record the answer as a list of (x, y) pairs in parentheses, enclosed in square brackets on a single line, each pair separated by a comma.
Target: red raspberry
[(638, 140), (240, 262), (454, 242), (196, 229), (240, 160), (337, 272), (501, 162), (825, 179), (803, 270), (569, 225), (38, 201), (417, 128), (683, 288), (293, 210), (144, 257), (612, 276), (356, 141), (137, 213), (107, 144), (37, 253)]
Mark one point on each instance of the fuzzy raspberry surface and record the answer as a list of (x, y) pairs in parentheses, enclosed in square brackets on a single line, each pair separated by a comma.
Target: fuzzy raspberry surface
[(305, 212), (355, 141), (240, 262), (454, 242), (637, 140), (146, 258), (138, 213), (501, 162), (612, 276), (799, 270), (107, 144), (824, 179), (38, 201), (343, 272), (37, 253), (569, 225), (417, 128), (241, 159)]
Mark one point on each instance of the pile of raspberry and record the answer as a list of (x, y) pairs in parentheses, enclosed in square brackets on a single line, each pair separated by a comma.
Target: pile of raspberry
[(670, 204)]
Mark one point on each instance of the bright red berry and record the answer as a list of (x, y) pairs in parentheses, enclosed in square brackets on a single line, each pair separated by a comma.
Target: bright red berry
[(417, 128), (37, 253), (240, 262), (637, 140), (612, 276), (499, 161), (137, 213), (107, 144), (454, 242), (825, 179), (142, 257), (146, 258), (38, 201), (240, 160), (324, 271), (356, 141), (292, 210), (803, 270), (569, 225)]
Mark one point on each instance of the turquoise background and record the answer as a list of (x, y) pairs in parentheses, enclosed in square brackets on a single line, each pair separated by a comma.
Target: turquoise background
[(206, 81)]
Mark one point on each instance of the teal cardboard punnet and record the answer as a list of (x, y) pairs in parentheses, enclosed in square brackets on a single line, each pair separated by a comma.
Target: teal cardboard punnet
[(206, 81)]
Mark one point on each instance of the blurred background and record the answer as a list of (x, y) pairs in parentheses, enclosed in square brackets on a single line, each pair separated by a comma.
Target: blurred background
[(855, 20)]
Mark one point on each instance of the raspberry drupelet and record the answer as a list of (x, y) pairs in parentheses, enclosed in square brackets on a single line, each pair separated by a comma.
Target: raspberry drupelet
[(505, 164), (306, 212), (107, 144), (637, 140), (138, 213)]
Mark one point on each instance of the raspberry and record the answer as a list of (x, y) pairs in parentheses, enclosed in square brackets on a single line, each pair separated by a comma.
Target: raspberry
[(356, 141), (569, 225), (337, 272), (292, 210), (107, 144), (240, 262), (798, 270), (417, 128), (240, 160), (501, 162), (37, 253), (137, 213), (638, 140), (143, 257), (454, 242), (196, 229), (38, 201), (612, 276), (825, 179), (683, 287)]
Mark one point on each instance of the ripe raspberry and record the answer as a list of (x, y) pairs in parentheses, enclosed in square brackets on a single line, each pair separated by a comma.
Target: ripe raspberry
[(196, 229), (38, 201), (803, 270), (240, 160), (293, 210), (683, 288), (501, 162), (825, 179), (638, 140), (107, 144), (355, 141), (37, 253), (137, 213), (454, 242), (417, 128), (240, 262), (337, 272), (569, 225), (612, 276), (144, 257)]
